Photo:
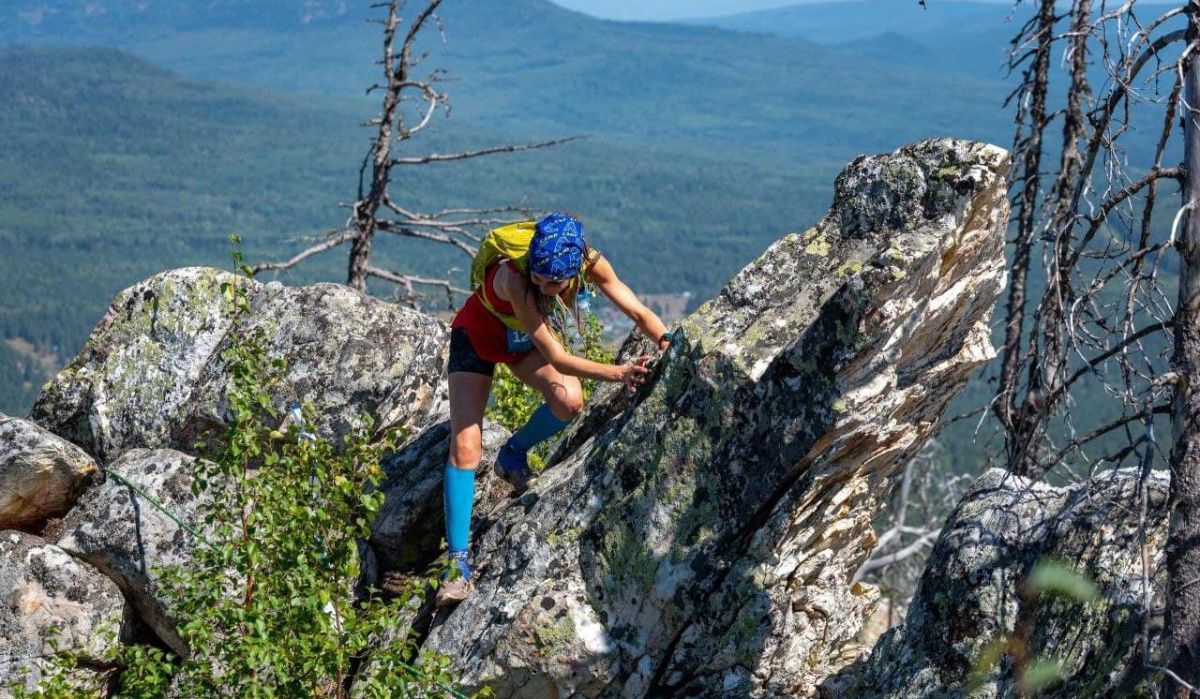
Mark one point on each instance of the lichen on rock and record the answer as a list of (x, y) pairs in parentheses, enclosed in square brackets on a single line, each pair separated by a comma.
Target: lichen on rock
[(128, 538), (48, 598)]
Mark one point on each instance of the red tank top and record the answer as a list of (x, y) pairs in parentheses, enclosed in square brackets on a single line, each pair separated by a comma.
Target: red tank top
[(492, 339)]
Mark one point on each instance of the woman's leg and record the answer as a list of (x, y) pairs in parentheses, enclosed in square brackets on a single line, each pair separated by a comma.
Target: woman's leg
[(563, 394), (563, 397), (468, 399)]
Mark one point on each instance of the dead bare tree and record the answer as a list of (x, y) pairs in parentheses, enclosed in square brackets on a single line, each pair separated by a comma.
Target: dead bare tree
[(409, 106), (1103, 320), (1082, 325), (1019, 421), (1183, 538)]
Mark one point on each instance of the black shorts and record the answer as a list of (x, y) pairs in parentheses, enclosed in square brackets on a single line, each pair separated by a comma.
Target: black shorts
[(463, 356)]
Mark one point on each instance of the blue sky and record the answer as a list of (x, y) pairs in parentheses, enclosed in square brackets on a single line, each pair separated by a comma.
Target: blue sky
[(678, 9)]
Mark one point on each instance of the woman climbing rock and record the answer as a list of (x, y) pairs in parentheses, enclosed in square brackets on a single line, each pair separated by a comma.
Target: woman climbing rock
[(528, 279)]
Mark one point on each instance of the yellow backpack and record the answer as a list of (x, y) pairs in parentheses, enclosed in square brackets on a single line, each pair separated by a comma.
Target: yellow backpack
[(508, 242)]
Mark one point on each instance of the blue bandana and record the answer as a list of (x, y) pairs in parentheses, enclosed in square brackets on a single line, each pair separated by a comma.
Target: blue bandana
[(556, 250)]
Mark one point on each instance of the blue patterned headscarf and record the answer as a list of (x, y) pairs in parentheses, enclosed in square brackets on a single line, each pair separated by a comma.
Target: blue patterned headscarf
[(556, 250)]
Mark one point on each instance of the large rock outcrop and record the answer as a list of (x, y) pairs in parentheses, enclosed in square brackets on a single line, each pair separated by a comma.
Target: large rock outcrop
[(701, 536), (41, 475), (127, 537), (152, 373), (977, 593), (47, 597)]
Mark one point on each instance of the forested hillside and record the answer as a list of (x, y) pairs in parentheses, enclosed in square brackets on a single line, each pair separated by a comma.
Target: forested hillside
[(115, 167), (539, 67), (163, 169)]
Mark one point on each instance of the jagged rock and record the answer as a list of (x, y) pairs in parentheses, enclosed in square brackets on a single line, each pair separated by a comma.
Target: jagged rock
[(701, 537), (152, 375), (411, 522), (41, 475), (45, 594), (126, 537), (973, 593)]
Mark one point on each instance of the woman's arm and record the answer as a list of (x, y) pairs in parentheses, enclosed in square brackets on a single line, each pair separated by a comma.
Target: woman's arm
[(512, 288), (603, 275)]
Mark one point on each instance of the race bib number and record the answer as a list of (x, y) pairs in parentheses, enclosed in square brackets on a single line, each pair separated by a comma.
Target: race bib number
[(519, 341)]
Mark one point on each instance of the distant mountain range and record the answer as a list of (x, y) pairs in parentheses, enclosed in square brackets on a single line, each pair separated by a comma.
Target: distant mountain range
[(244, 117), (963, 36), (661, 10), (539, 67), (201, 120)]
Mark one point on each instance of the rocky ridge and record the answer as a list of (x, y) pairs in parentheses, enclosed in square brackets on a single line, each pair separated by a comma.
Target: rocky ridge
[(700, 536)]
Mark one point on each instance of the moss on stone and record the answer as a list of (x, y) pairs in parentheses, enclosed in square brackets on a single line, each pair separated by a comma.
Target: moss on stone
[(625, 558), (816, 243), (555, 638), (742, 635)]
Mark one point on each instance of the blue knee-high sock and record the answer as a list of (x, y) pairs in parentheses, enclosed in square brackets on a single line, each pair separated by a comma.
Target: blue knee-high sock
[(542, 425), (458, 495)]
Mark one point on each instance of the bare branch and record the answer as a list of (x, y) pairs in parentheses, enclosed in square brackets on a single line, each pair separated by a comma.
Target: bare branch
[(909, 551), (408, 280), (1099, 432), (441, 158), (338, 238), (409, 232)]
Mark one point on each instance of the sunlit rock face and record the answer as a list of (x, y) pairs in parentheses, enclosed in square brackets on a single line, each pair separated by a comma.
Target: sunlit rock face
[(41, 475), (981, 619), (153, 374), (700, 537)]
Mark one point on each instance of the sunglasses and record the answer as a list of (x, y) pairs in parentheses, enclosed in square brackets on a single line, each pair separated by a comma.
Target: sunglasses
[(541, 279)]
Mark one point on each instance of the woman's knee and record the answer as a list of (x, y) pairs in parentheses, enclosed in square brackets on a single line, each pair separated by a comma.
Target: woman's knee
[(567, 400), (466, 449)]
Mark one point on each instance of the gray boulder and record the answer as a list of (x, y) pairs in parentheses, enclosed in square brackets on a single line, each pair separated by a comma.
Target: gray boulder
[(976, 595), (127, 537), (701, 536), (41, 475), (45, 596), (411, 522), (152, 373)]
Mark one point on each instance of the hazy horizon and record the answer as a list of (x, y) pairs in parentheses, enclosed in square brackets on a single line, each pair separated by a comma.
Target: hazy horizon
[(693, 9)]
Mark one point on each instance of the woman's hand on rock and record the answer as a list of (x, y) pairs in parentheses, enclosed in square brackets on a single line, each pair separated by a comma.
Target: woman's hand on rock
[(634, 375)]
